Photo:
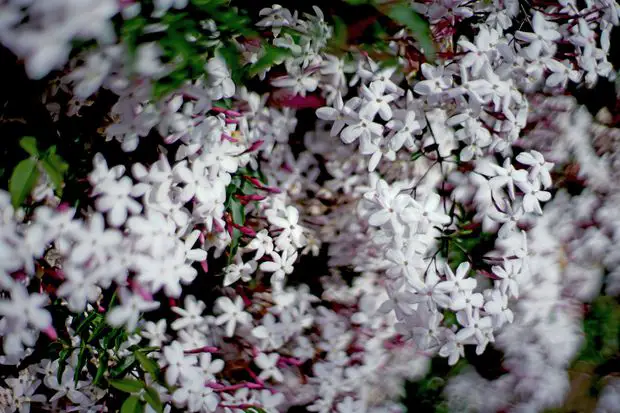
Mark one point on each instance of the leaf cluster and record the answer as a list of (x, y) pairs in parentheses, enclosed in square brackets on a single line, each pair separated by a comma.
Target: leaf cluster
[(27, 172)]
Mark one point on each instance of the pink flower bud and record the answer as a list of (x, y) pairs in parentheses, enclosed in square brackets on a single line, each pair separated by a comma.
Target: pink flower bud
[(254, 146), (245, 230), (50, 332)]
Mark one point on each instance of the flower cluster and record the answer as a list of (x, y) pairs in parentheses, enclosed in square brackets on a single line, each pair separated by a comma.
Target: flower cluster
[(230, 255)]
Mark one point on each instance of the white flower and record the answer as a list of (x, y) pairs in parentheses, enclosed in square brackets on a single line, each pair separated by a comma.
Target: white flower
[(276, 17), (497, 306), (209, 366), (191, 314), (25, 308), (453, 349), (90, 76), (95, 241), (231, 314), (435, 83), (195, 395), (539, 168), (289, 225), (541, 40), (281, 264), (155, 333), (474, 326), (178, 363), (117, 200), (299, 82), (361, 127), (375, 101), (129, 311), (240, 270), (262, 243), (220, 83), (268, 363)]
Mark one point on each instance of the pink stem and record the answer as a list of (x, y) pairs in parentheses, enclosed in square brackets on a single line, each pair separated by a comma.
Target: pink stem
[(234, 387), (205, 349)]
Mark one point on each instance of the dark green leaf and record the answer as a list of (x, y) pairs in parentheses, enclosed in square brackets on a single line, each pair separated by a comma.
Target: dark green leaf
[(273, 56), (148, 364), (62, 362), (55, 167), (338, 41), (127, 385), (132, 405), (121, 369), (81, 361), (238, 212), (152, 398), (103, 367), (405, 15), (120, 338), (22, 181), (30, 145), (84, 325), (233, 59), (99, 331)]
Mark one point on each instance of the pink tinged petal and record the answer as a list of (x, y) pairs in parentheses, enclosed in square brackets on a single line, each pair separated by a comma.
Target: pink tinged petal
[(292, 214), (526, 36), (117, 316), (270, 266), (172, 373), (310, 83), (543, 196), (454, 357), (374, 160), (284, 82), (81, 253), (180, 396), (105, 203), (385, 111), (423, 88), (327, 113), (465, 333), (375, 128), (230, 328), (369, 110), (118, 215), (509, 316), (379, 218), (351, 133)]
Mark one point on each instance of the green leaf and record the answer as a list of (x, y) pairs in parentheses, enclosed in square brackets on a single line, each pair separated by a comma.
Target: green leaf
[(132, 405), (152, 398), (103, 367), (84, 325), (148, 364), (338, 41), (122, 368), (405, 15), (233, 60), (81, 361), (97, 332), (22, 181), (62, 362), (238, 212), (273, 56), (127, 385), (55, 167), (29, 144), (254, 410)]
